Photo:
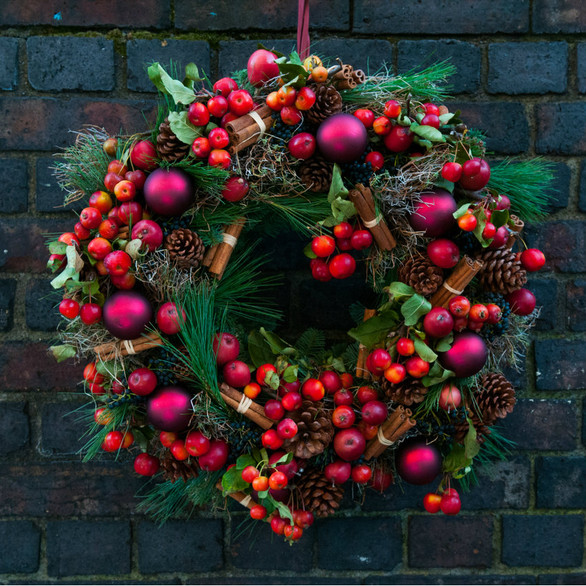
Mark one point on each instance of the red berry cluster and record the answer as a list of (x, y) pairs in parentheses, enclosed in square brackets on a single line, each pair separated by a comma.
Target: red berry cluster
[(448, 502)]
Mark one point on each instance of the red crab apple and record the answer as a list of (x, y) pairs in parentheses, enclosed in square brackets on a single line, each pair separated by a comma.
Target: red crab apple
[(302, 145), (522, 301), (443, 253), (349, 444), (289, 470), (338, 471), (475, 174), (215, 457), (399, 139), (500, 238), (438, 323), (197, 444), (142, 381), (168, 319), (143, 155), (235, 189), (137, 177), (374, 412), (236, 373), (343, 417), (149, 232), (226, 348), (450, 397), (331, 381), (240, 102), (261, 67), (225, 85), (381, 480), (146, 465)]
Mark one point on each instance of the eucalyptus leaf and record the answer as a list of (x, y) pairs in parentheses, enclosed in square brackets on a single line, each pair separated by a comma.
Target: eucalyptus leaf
[(290, 374), (245, 460), (399, 290), (342, 209), (192, 72), (179, 93), (337, 187), (277, 344), (71, 270), (285, 459), (427, 144), (272, 380), (284, 510), (456, 460), (182, 129), (308, 252), (415, 308), (424, 351), (428, 133), (445, 118), (63, 352), (375, 329), (154, 73)]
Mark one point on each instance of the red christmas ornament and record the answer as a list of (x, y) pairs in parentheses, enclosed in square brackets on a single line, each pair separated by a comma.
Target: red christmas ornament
[(126, 314), (169, 409), (418, 462), (434, 214), (169, 192), (342, 138), (467, 355)]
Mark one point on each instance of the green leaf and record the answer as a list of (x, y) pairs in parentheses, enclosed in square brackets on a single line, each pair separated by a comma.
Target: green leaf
[(375, 329), (399, 290), (182, 129), (277, 344), (154, 73), (57, 247), (71, 270), (179, 93), (63, 352), (232, 481), (192, 73), (444, 184), (415, 308), (284, 510), (258, 349), (342, 209), (471, 446), (444, 344), (436, 375), (245, 460), (456, 460), (445, 118), (427, 144), (461, 210), (308, 252), (428, 133), (499, 218), (272, 380), (290, 374), (424, 351), (285, 459), (337, 185)]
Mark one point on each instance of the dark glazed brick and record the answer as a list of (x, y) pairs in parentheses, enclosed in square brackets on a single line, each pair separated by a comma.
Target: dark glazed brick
[(561, 483), (70, 63), (128, 14), (565, 578), (542, 425), (466, 579), (141, 53), (44, 123), (211, 15), (201, 546), (371, 544), (582, 200), (366, 54), (233, 55), (465, 56), (20, 543), (249, 549), (443, 17), (576, 305), (542, 540), (562, 242), (397, 497), (61, 429), (8, 63), (69, 552), (581, 67), (546, 292), (505, 124), (559, 128), (14, 427), (444, 542), (40, 304), (7, 291), (559, 16), (527, 68), (559, 193), (560, 364), (14, 181)]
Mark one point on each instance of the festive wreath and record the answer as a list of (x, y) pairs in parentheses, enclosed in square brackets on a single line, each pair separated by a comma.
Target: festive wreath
[(163, 288)]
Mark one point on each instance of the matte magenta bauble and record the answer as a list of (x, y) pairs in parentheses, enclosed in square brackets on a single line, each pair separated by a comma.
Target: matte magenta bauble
[(169, 409), (418, 462), (169, 192), (342, 138), (467, 355), (433, 215), (126, 314)]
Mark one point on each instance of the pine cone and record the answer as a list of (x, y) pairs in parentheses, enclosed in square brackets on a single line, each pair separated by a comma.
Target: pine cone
[(318, 495), (328, 102), (501, 272), (174, 470), (316, 173), (315, 431), (408, 392), (169, 147), (421, 274), (496, 398), (185, 248)]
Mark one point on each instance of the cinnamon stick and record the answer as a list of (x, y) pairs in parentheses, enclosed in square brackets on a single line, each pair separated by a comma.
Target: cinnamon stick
[(244, 499), (225, 248), (359, 76), (516, 225), (395, 427), (245, 406), (361, 370), (111, 350), (455, 284), (124, 233), (209, 255), (247, 130), (241, 122), (363, 201)]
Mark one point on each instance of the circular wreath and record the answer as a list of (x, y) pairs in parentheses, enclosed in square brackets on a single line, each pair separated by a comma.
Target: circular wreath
[(165, 296)]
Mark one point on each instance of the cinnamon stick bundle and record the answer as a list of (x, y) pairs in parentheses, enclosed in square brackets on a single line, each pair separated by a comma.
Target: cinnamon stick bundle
[(246, 406), (361, 370), (455, 284), (209, 255), (359, 76), (127, 347), (124, 233), (363, 201), (395, 427), (516, 229), (224, 250), (244, 499), (246, 130)]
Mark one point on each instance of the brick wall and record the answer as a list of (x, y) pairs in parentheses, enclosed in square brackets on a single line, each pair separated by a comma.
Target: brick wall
[(522, 78)]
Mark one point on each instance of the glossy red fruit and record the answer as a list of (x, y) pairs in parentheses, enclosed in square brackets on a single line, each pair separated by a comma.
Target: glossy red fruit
[(475, 174), (349, 444), (320, 270), (216, 457), (143, 155), (450, 505), (338, 471), (236, 373), (274, 409), (361, 473), (218, 138), (286, 428), (342, 266), (443, 253), (323, 246), (399, 139), (343, 230), (168, 320), (111, 180), (405, 346), (305, 99), (201, 147), (366, 394), (101, 200), (217, 106), (142, 381), (532, 259), (81, 231), (178, 450), (91, 374), (438, 323), (167, 438), (225, 85), (263, 371), (125, 190), (290, 115), (500, 238), (130, 212), (432, 502), (249, 474), (343, 417), (417, 367), (380, 359), (459, 306), (90, 218), (293, 533), (219, 158), (489, 231), (392, 109), (68, 238), (365, 116), (125, 282), (522, 301), (291, 401), (452, 172), (270, 439), (395, 373), (198, 114), (478, 312), (361, 239), (108, 229), (431, 120), (117, 262), (286, 95), (240, 102), (149, 232), (381, 480), (261, 67), (90, 313), (467, 222), (303, 519), (302, 146), (197, 444), (278, 525), (258, 512), (343, 397), (235, 189), (450, 397), (331, 381), (495, 313), (69, 308), (226, 348), (313, 389), (382, 126), (137, 177), (376, 160), (374, 412), (146, 465)]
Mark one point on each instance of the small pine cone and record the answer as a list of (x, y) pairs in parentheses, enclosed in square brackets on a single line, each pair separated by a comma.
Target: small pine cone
[(319, 495), (169, 147), (185, 248), (501, 272), (315, 431), (174, 470), (316, 173), (408, 392), (421, 274), (328, 102), (496, 398)]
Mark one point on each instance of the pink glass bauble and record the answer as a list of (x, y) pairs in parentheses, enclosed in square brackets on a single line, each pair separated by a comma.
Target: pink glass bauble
[(418, 462), (169, 192), (467, 355), (433, 215), (342, 138), (169, 409), (126, 314)]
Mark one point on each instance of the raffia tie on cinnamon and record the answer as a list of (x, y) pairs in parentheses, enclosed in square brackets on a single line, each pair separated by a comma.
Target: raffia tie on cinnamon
[(246, 406), (248, 129), (394, 428), (244, 499), (516, 229), (223, 251), (111, 350), (363, 201), (361, 370), (455, 284)]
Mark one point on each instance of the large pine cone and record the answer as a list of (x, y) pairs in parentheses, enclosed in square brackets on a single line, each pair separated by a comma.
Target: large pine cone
[(169, 147), (408, 392), (185, 248), (174, 470), (316, 173), (319, 495), (421, 274), (315, 431), (328, 102), (496, 398), (501, 272)]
